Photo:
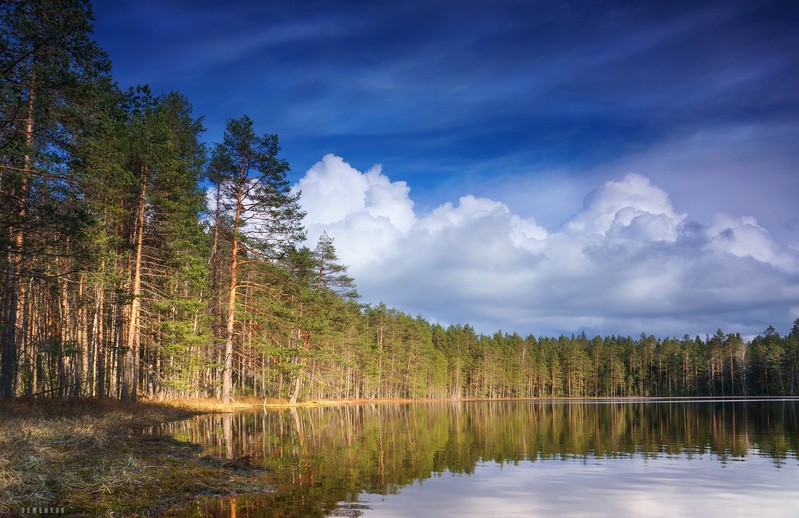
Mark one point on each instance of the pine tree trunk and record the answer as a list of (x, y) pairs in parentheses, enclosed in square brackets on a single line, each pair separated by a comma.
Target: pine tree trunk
[(303, 342), (14, 287), (227, 375), (131, 374), (65, 331), (216, 288), (83, 343), (8, 367)]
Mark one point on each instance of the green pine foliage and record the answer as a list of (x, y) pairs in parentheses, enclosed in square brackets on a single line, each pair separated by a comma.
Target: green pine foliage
[(120, 280)]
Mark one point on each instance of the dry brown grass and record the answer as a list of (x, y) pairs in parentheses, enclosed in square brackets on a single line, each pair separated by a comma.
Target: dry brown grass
[(213, 406), (85, 457)]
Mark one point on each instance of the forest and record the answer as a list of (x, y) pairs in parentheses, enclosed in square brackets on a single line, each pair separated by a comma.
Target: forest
[(137, 261)]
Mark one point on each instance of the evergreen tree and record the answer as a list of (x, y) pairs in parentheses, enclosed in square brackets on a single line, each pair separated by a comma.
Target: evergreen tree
[(792, 358), (266, 218), (51, 72), (164, 164), (330, 274)]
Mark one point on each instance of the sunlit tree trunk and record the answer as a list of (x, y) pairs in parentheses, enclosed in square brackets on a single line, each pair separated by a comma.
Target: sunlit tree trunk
[(227, 373), (133, 338), (216, 287), (97, 338)]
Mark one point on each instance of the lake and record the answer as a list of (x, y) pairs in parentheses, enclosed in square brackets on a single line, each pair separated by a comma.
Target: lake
[(511, 458)]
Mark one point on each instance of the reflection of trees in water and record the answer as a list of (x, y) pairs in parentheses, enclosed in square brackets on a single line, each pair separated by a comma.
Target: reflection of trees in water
[(319, 456)]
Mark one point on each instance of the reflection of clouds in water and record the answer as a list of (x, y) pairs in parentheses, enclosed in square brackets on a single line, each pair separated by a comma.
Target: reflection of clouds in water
[(666, 486)]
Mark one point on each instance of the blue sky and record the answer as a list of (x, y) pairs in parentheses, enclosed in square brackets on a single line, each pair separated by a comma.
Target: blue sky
[(546, 167)]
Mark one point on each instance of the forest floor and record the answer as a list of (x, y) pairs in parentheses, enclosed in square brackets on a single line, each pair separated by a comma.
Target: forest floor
[(89, 458)]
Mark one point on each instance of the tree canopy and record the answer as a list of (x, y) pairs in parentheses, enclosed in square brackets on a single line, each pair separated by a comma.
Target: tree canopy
[(119, 280)]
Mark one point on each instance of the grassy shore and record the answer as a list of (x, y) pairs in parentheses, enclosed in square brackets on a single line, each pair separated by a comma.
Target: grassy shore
[(84, 457)]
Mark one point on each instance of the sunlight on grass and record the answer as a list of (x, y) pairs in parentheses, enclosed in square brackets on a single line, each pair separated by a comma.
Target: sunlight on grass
[(82, 456)]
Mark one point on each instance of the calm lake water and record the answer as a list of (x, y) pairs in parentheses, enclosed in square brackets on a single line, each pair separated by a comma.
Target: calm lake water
[(511, 458)]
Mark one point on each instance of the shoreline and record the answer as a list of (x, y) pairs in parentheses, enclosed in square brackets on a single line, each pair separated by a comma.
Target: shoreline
[(84, 457)]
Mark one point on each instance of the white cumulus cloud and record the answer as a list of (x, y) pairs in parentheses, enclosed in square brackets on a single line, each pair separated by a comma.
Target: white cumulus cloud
[(625, 262), (632, 205)]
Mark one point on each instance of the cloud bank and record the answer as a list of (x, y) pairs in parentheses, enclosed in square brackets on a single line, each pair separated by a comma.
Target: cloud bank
[(625, 262)]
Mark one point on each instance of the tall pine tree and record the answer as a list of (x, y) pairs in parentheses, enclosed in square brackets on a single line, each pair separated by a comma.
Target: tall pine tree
[(266, 217), (51, 71)]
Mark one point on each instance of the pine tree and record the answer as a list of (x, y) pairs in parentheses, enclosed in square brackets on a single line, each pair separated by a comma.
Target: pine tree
[(51, 72), (266, 218), (164, 164), (330, 274)]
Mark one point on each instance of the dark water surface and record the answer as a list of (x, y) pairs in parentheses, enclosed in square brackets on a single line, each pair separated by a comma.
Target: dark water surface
[(511, 458)]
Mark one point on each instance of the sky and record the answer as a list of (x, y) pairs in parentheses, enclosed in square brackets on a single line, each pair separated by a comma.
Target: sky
[(541, 167)]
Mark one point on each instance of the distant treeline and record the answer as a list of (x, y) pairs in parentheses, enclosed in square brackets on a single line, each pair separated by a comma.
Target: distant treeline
[(119, 278)]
